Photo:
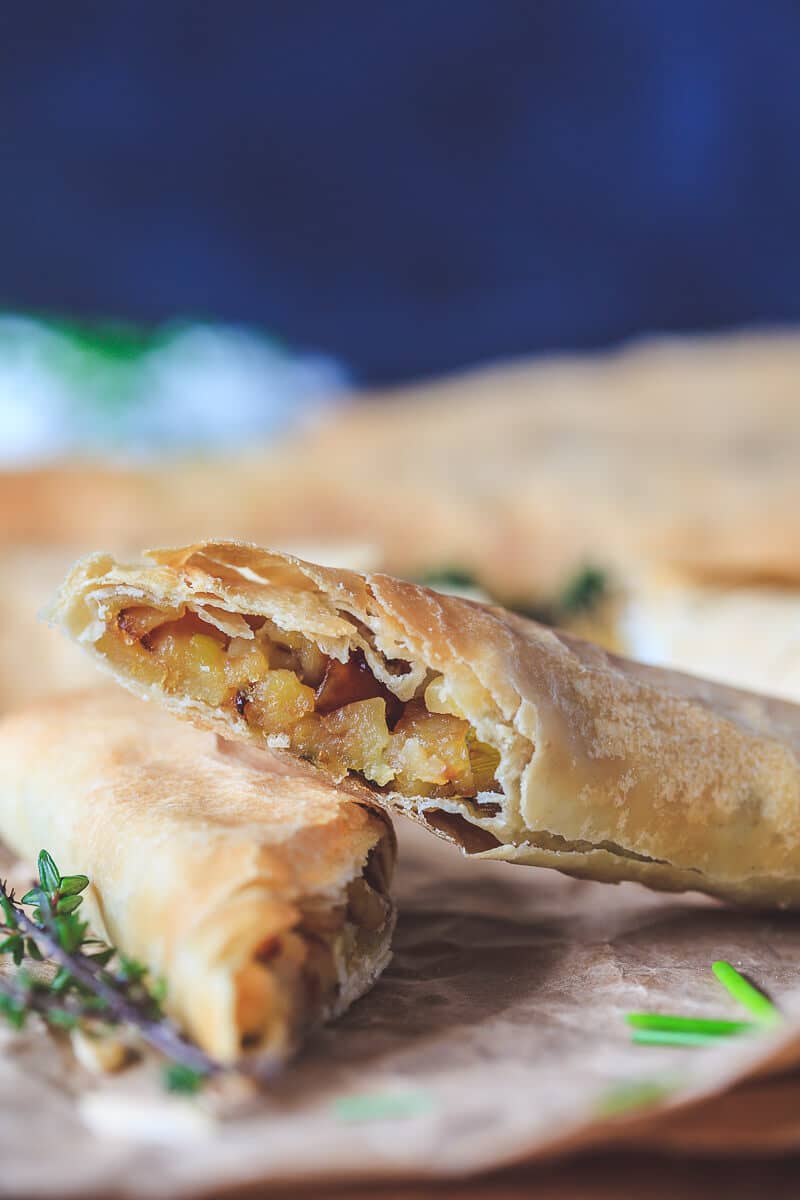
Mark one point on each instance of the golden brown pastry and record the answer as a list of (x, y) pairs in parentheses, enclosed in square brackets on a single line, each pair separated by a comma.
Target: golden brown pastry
[(516, 741), (678, 451), (34, 660), (673, 450), (29, 575), (260, 895), (746, 637)]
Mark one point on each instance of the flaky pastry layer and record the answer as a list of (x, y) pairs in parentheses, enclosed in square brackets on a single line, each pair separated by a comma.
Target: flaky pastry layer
[(604, 768), (258, 894)]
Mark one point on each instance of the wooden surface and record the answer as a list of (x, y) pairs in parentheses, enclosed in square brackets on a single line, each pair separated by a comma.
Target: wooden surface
[(593, 1177), (745, 1120)]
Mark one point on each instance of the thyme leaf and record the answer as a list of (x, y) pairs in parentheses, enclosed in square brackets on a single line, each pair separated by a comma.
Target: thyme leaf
[(92, 981)]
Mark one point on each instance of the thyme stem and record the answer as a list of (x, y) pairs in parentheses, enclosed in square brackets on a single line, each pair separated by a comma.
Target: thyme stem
[(161, 1034)]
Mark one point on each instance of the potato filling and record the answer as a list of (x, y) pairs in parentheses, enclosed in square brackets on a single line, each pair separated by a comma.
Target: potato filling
[(296, 976), (337, 715)]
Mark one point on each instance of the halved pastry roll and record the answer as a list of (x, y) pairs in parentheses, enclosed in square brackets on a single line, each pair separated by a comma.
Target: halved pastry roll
[(260, 896), (515, 741)]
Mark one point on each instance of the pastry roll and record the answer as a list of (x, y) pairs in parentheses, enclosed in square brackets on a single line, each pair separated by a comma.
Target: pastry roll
[(259, 894), (515, 741)]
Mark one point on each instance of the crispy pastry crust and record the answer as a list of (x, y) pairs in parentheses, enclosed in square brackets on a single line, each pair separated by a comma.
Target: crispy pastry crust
[(196, 861), (609, 769)]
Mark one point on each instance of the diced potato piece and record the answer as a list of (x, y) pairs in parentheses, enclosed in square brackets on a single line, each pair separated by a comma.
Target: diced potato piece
[(431, 748), (278, 702), (196, 666), (484, 760), (194, 662), (245, 662), (139, 620), (293, 652), (366, 907), (312, 662), (131, 657), (438, 701), (353, 738), (188, 655)]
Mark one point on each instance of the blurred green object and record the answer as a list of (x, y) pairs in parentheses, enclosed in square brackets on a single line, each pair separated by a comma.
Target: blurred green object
[(584, 591), (749, 996), (115, 340), (708, 1026), (628, 1096), (387, 1106), (73, 387)]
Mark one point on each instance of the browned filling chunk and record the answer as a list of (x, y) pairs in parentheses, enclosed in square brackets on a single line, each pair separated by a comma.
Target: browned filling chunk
[(303, 966), (337, 715)]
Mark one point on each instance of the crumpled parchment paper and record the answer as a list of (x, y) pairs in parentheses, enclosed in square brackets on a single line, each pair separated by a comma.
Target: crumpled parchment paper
[(496, 1035)]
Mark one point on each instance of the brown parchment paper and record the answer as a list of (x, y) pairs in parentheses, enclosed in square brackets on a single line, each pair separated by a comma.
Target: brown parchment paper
[(499, 1024)]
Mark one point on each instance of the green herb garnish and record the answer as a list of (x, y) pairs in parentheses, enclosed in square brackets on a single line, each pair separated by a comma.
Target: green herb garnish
[(182, 1079), (665, 1029), (449, 577), (541, 611), (708, 1027), (583, 592), (384, 1106), (634, 1094), (90, 985), (748, 996), (674, 1037)]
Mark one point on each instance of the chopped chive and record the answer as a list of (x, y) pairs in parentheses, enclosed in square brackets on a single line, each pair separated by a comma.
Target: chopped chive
[(705, 1025), (381, 1106), (747, 995), (627, 1095), (674, 1037)]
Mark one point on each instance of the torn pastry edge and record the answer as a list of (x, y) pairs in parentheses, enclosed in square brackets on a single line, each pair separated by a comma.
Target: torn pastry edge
[(99, 576)]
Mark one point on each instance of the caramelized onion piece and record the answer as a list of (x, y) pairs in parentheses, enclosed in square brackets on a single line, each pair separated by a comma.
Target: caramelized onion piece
[(136, 622), (344, 683)]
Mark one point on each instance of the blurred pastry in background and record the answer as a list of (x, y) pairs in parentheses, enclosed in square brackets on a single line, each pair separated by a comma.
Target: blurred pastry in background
[(676, 451), (34, 661), (647, 499), (747, 636)]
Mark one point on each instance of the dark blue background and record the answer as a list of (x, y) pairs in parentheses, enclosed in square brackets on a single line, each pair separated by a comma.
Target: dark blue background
[(411, 186)]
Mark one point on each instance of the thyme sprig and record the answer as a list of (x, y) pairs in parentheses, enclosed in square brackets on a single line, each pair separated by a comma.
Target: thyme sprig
[(93, 984)]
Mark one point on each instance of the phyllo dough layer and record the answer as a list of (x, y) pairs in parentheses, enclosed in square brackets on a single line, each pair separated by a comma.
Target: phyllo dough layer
[(258, 894), (514, 740)]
